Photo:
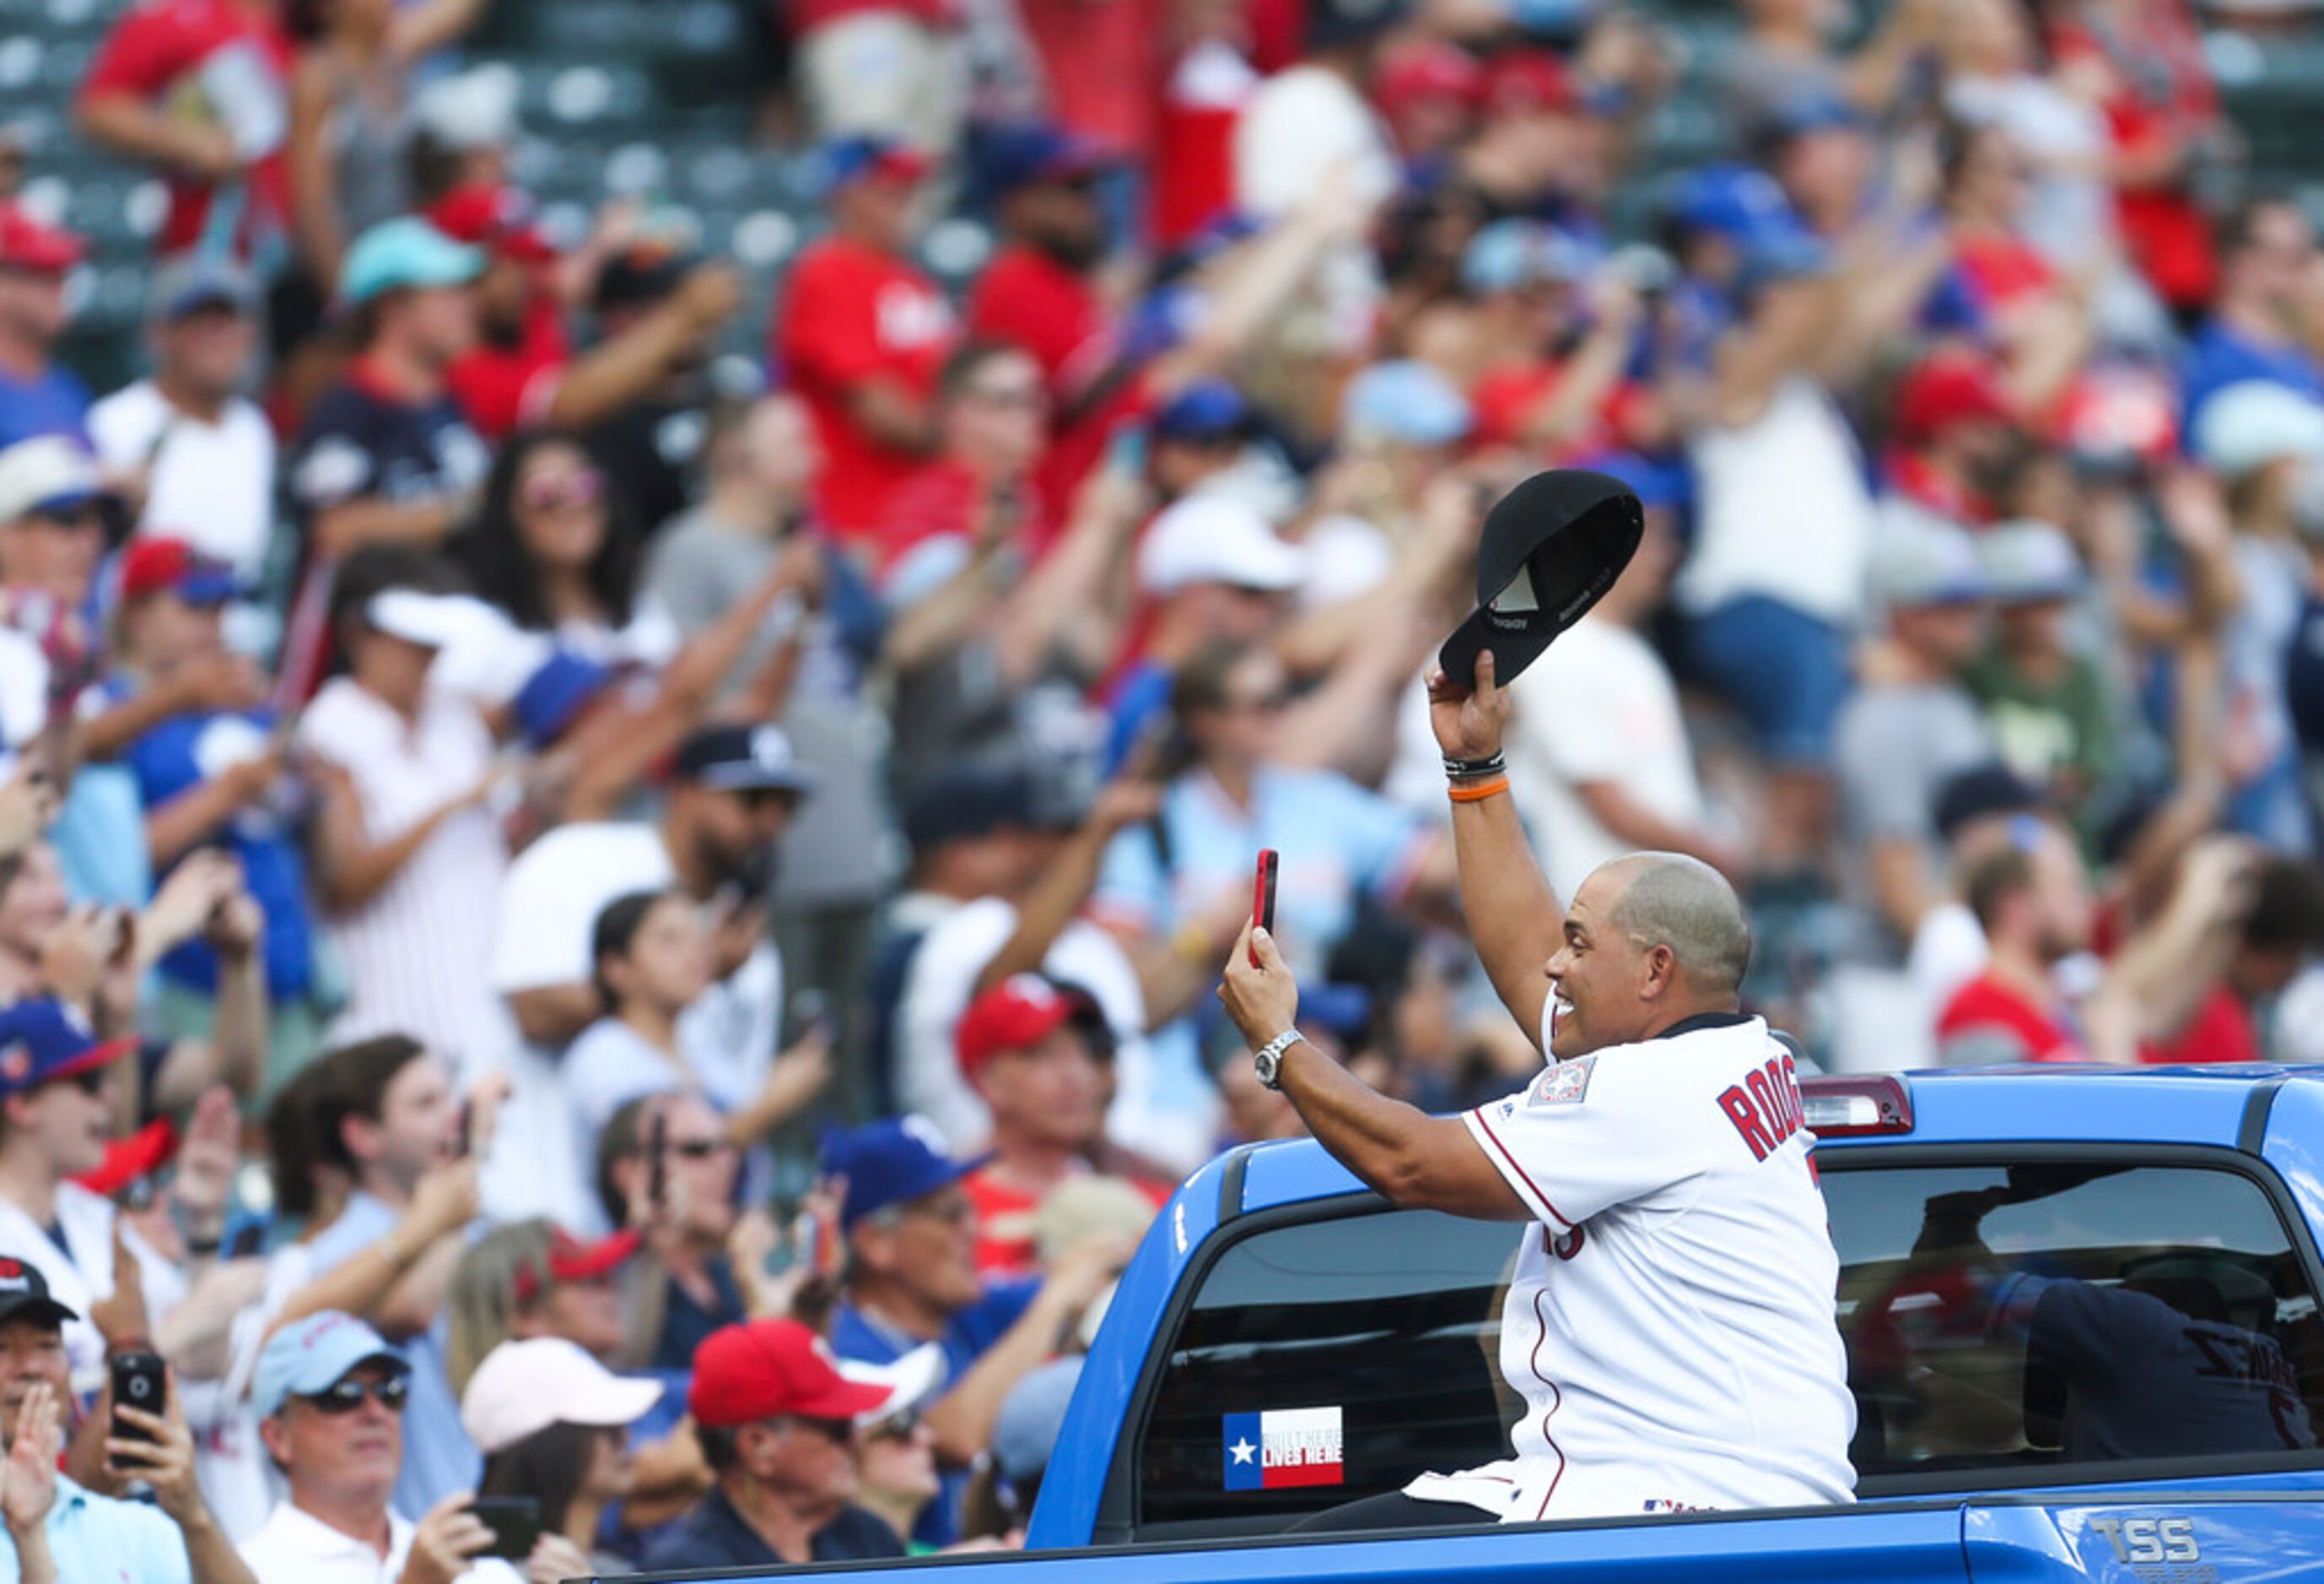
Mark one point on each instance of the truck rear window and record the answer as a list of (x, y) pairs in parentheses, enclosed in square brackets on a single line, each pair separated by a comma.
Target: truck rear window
[(2062, 1314)]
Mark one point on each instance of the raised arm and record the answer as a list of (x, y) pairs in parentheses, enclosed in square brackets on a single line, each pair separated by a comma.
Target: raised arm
[(1514, 917)]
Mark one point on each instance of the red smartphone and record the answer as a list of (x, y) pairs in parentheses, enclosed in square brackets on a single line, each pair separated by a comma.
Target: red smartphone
[(1262, 898)]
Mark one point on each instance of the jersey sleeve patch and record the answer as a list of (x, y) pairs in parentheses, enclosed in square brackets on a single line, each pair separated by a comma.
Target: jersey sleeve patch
[(1563, 1083)]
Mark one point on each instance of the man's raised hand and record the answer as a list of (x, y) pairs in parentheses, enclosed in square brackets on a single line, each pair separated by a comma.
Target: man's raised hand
[(1468, 722)]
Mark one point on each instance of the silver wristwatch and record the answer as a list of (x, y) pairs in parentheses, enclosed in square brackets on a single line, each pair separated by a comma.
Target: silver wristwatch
[(1269, 1056)]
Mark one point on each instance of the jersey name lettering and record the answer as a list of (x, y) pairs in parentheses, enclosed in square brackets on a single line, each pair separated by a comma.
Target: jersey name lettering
[(1765, 1107)]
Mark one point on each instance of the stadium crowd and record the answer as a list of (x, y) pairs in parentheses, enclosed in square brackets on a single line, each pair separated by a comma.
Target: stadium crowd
[(580, 931)]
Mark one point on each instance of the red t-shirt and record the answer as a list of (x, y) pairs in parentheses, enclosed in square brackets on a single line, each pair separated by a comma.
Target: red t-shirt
[(1030, 301), (1194, 158), (218, 62), (1997, 1023), (2220, 1031), (1505, 399), (1103, 64), (2004, 270), (1005, 1223), (852, 313), (503, 388)]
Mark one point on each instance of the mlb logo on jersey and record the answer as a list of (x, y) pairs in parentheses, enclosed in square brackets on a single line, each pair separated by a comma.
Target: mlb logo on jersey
[(1282, 1447)]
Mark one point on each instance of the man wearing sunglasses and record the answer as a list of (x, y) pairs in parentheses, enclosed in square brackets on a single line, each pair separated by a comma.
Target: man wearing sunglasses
[(330, 1393), (58, 1531)]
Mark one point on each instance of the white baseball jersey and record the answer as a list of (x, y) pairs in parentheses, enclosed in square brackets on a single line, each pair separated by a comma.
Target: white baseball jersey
[(1670, 1322)]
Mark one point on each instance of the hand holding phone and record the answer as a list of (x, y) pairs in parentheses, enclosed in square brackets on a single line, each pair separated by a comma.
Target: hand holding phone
[(138, 1382), (1262, 898), (515, 1524)]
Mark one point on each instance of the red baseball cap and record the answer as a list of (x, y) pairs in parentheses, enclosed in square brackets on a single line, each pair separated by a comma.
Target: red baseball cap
[(1949, 388), (141, 1155), (572, 1260), (1526, 80), (767, 1367), (150, 566), (26, 243), (1015, 1015), (488, 214), (1428, 68)]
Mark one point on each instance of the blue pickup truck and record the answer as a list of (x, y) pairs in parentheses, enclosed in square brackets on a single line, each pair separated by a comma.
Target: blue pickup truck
[(2081, 1309)]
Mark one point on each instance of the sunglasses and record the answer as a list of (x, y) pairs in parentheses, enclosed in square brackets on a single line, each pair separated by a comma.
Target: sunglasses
[(841, 1430), (900, 1426), (344, 1396), (579, 489), (90, 1082), (697, 1149)]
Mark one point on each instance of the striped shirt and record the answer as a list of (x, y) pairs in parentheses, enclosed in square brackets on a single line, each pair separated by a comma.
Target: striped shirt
[(419, 953)]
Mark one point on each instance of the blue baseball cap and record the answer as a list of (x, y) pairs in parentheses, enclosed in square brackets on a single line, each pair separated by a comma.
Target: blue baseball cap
[(891, 1162), (1019, 156), (555, 692), (1205, 411), (310, 1354), (405, 254), (1733, 201), (44, 1039), (1407, 400)]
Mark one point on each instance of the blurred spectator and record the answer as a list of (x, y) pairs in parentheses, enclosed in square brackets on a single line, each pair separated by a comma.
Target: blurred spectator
[(1788, 54), (522, 371), (38, 395), (201, 448), (51, 541), (402, 769), (52, 1130), (652, 963), (553, 1425), (210, 771), (777, 1423), (1311, 121), (532, 1280), (331, 1395), (1000, 1504), (1601, 750), (2266, 252), (57, 1527), (2252, 950), (1975, 813), (1954, 430), (389, 1119), (1911, 726), (654, 299), (2032, 899), (1993, 79), (351, 129), (734, 792), (385, 456), (911, 1278), (861, 334), (990, 418), (200, 90), (1217, 574), (2045, 701), (1040, 1056), (686, 1287), (895, 1449)]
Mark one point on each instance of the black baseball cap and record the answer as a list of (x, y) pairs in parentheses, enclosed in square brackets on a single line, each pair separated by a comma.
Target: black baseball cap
[(24, 1294), (743, 758), (1550, 549)]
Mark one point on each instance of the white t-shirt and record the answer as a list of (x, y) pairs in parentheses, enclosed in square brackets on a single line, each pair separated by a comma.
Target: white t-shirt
[(1598, 705), (607, 1065), (937, 991), (1670, 1322), (548, 908), (294, 1547), (1785, 511), (211, 484), (79, 1273)]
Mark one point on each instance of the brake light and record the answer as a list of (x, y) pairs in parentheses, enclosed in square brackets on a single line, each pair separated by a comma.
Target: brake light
[(1849, 1107)]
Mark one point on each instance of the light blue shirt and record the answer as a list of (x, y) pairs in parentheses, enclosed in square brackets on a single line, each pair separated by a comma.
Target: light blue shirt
[(1338, 844), (99, 1539), (438, 1457)]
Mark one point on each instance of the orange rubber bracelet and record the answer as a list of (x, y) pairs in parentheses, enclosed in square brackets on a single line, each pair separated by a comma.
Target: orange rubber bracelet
[(1479, 793)]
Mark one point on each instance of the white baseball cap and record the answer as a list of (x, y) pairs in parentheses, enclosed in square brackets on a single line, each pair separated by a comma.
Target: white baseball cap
[(1214, 538), (48, 470), (910, 1380), (521, 1388), (2254, 422)]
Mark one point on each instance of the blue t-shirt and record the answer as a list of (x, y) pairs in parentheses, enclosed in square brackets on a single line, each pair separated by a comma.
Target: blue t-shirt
[(52, 402), (181, 753), (856, 1335), (2219, 356), (1141, 695)]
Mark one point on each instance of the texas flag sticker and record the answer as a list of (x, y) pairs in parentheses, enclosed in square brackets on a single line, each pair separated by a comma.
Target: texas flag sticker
[(1283, 1447)]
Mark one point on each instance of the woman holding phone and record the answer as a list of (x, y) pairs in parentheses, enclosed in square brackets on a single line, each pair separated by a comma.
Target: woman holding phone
[(553, 1425)]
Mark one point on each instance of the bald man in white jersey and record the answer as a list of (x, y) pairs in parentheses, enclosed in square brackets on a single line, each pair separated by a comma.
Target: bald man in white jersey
[(1670, 1322)]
